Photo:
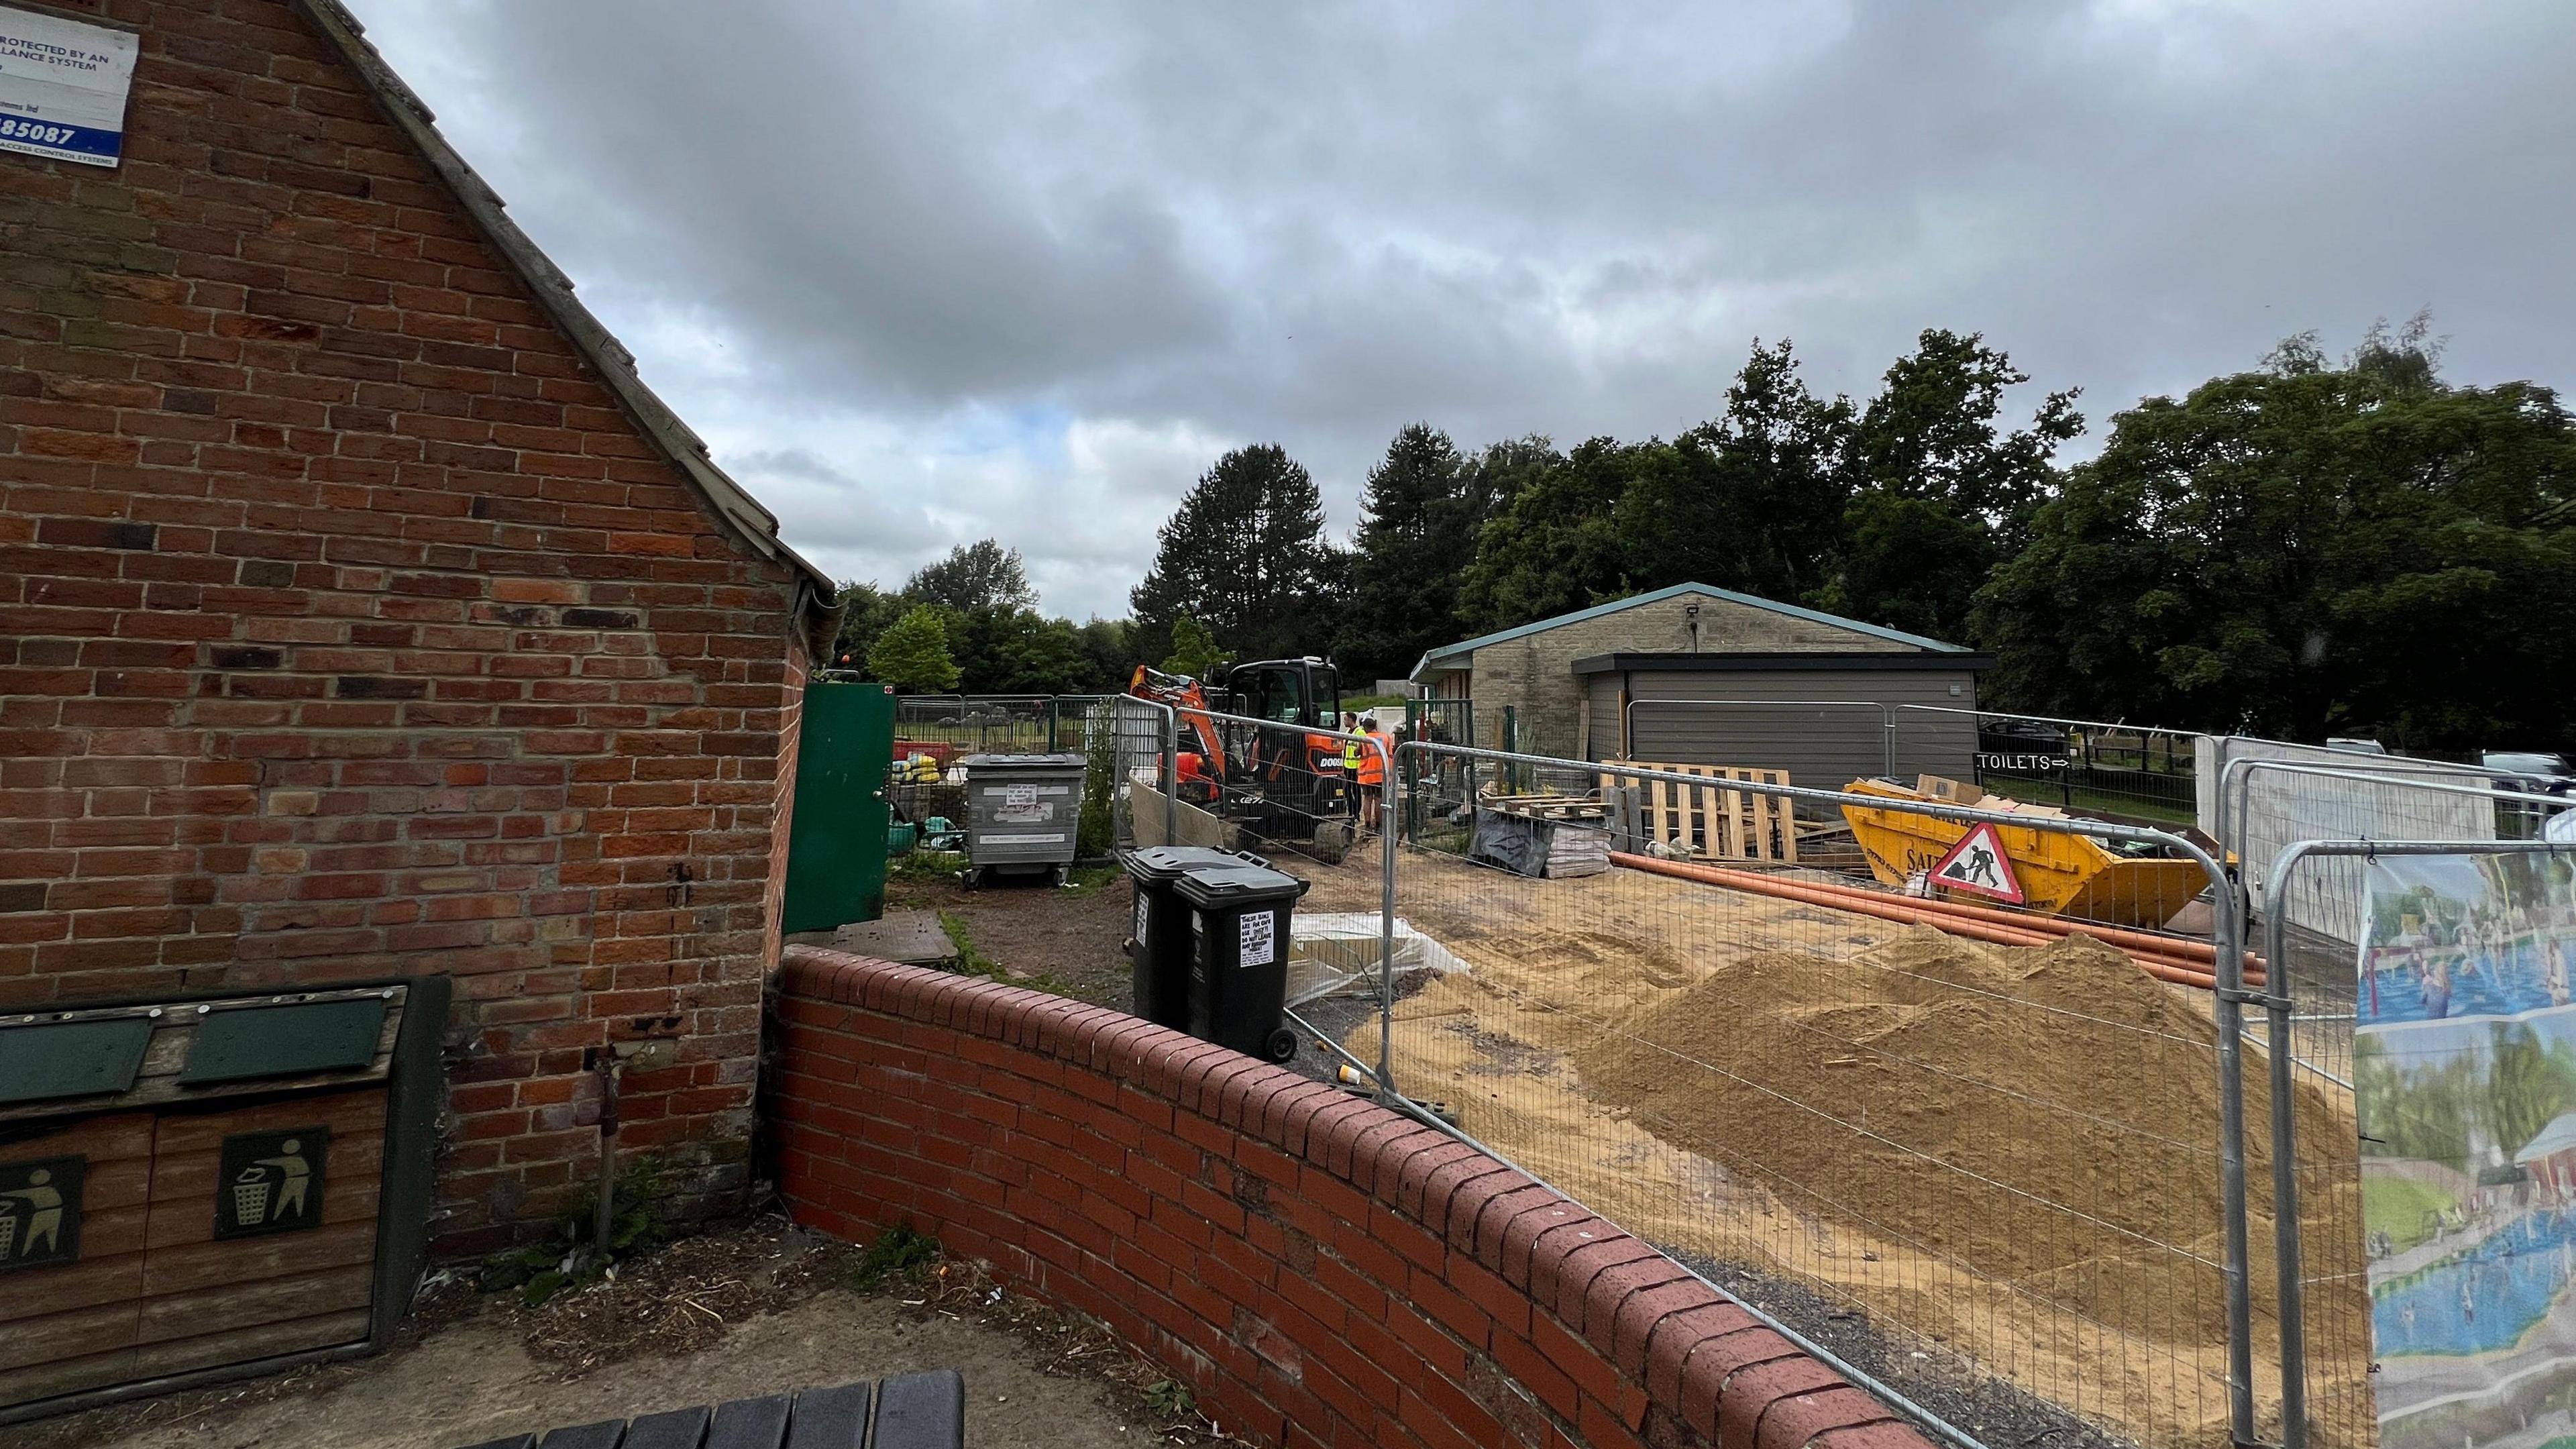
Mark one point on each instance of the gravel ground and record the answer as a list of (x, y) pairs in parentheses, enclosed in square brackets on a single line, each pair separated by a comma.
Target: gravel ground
[(1989, 1410)]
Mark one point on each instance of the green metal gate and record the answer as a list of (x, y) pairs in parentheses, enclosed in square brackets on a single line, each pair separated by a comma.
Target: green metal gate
[(836, 845)]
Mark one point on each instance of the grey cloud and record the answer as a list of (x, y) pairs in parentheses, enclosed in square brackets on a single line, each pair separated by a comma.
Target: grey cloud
[(1315, 223)]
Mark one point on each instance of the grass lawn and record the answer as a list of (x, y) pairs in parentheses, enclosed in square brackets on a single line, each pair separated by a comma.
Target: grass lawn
[(2398, 1207)]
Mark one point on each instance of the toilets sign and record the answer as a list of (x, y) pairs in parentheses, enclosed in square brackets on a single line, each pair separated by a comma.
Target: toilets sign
[(62, 88)]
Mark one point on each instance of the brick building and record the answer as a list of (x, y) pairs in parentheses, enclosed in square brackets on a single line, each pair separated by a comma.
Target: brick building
[(363, 615)]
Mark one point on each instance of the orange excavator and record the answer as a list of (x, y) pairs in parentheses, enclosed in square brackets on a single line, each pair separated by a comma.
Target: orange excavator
[(1278, 782)]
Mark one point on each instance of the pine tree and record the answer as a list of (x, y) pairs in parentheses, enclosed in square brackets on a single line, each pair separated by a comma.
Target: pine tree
[(1245, 555), (913, 654), (1419, 517)]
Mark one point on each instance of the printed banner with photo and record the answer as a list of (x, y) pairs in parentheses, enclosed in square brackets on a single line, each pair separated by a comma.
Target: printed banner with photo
[(2464, 1083)]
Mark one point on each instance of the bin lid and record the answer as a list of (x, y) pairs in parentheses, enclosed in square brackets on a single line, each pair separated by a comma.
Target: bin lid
[(1238, 883), (980, 763), (1163, 863)]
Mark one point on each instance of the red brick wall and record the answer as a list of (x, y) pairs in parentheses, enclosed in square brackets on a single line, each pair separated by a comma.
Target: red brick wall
[(1320, 1269), (348, 627)]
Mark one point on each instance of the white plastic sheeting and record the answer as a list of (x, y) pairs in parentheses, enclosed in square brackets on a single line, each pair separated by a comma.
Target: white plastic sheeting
[(1337, 951)]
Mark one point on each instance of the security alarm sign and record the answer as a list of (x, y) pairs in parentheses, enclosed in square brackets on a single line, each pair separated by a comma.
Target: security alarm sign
[(62, 88)]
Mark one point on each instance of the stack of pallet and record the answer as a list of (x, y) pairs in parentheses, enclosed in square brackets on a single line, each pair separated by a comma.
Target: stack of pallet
[(1709, 820)]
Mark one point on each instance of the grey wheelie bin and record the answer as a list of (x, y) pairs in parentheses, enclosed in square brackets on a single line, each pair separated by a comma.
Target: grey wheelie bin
[(1022, 812), (1239, 916)]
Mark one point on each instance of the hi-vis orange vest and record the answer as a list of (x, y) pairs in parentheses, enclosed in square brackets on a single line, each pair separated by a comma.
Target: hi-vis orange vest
[(1372, 765)]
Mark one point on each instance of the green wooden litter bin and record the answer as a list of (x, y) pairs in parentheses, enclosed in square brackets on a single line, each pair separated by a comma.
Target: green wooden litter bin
[(195, 1188)]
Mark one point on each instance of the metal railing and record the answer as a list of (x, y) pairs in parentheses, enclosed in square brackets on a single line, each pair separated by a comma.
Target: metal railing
[(2077, 764)]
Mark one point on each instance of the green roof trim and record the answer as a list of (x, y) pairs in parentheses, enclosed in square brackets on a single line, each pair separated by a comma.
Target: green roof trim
[(1812, 616)]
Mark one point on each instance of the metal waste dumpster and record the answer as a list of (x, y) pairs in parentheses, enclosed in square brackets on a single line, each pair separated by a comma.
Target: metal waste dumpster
[(1022, 813), (1239, 917), (201, 1187)]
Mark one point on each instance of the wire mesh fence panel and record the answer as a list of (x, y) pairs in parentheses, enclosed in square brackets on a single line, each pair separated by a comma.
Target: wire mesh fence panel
[(1273, 787), (2439, 1200), (934, 733), (1983, 1164), (2264, 803), (1132, 763)]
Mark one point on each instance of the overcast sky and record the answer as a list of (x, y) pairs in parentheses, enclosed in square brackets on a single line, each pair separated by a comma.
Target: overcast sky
[(923, 273)]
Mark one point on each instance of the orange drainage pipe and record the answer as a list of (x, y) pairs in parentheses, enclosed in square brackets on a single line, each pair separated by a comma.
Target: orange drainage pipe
[(1905, 910), (2199, 955)]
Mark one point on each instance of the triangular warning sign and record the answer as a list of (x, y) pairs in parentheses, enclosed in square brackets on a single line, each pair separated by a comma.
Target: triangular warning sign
[(1978, 865)]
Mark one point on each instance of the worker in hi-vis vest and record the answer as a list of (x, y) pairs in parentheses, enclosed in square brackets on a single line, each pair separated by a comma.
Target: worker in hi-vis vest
[(1368, 770)]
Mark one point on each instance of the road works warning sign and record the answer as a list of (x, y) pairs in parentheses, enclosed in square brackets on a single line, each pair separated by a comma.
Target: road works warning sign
[(1978, 865)]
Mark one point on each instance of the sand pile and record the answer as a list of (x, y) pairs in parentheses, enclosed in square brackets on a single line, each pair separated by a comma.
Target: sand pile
[(2044, 1117), (2011, 1153)]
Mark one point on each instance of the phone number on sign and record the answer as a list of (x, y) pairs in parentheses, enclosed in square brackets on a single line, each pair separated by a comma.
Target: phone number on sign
[(14, 129)]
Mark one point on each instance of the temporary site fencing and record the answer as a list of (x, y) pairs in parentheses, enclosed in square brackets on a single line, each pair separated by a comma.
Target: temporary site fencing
[(2309, 1042), (1803, 1087), (2016, 1165)]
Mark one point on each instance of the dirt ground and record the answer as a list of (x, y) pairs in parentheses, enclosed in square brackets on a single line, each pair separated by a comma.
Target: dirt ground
[(1958, 1139), (755, 1309), (1065, 940)]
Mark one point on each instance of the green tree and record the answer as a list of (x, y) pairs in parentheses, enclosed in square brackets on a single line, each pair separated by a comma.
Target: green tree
[(1419, 517), (1555, 543), (1107, 656), (2310, 549), (1940, 494), (1194, 650), (978, 575), (866, 612), (913, 654), (1755, 498), (1017, 651), (1245, 555)]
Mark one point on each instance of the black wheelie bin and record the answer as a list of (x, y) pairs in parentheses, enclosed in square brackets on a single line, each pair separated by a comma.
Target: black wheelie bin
[(1160, 948), (1239, 914)]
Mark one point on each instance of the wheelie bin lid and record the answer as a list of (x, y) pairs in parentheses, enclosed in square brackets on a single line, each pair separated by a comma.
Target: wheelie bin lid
[(1237, 883), (1162, 864)]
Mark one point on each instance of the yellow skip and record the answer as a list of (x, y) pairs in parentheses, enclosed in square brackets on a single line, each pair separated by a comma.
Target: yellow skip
[(2069, 875)]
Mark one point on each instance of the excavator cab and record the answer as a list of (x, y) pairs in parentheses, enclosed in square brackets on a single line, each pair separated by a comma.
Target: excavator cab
[(1277, 783), (1300, 788), (1304, 692)]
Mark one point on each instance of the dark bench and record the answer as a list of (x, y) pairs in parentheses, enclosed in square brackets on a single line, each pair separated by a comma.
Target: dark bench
[(907, 1411)]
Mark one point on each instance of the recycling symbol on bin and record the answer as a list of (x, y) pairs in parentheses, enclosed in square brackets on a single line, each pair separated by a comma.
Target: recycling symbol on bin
[(271, 1182)]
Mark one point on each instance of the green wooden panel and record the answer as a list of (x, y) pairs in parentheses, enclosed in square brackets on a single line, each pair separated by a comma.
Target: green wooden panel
[(285, 1041), (44, 1060), (836, 846)]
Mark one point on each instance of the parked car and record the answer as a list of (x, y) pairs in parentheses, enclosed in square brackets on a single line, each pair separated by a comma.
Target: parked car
[(2531, 772)]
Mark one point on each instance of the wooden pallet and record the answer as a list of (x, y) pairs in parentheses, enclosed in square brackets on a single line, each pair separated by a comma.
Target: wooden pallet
[(1710, 819)]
